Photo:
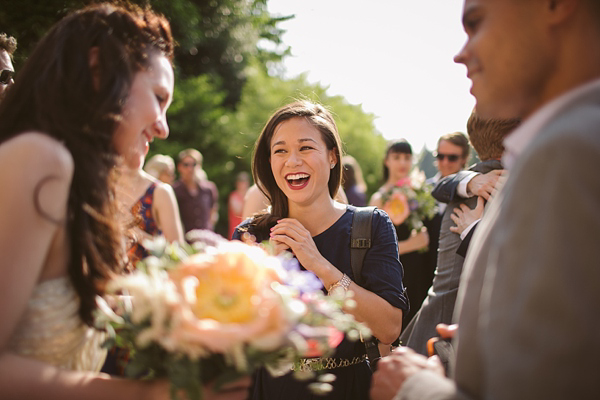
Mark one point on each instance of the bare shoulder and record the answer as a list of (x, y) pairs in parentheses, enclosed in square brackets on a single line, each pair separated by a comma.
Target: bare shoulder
[(38, 155), (375, 199), (164, 190)]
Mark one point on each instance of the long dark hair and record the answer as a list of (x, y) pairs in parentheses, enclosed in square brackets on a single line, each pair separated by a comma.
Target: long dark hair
[(319, 117), (397, 146), (56, 94)]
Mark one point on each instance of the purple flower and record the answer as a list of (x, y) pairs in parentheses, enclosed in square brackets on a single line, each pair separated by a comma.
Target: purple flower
[(413, 204), (303, 280)]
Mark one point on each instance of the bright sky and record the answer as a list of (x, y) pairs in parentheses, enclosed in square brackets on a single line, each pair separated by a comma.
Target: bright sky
[(395, 57)]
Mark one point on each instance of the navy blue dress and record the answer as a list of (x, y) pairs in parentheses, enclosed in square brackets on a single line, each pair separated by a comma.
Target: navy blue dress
[(381, 274)]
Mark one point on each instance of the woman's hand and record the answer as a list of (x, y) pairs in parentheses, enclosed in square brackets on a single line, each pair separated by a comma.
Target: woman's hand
[(291, 234), (416, 241), (463, 216)]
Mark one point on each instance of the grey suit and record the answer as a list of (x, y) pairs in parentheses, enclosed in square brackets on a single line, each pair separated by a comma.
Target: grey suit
[(438, 307), (529, 304)]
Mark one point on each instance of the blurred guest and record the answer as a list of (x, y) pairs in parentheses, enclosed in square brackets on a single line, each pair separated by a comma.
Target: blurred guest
[(161, 167), (486, 137), (254, 201), (197, 196), (8, 45), (451, 156), (235, 204), (353, 183), (397, 165)]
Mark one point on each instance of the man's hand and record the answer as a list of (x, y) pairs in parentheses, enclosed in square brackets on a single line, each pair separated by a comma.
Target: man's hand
[(394, 370), (483, 185)]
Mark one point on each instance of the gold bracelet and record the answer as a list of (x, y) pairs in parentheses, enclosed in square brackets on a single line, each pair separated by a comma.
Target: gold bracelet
[(343, 283)]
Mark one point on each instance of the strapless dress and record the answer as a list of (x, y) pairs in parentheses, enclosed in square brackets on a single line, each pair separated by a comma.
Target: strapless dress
[(52, 331)]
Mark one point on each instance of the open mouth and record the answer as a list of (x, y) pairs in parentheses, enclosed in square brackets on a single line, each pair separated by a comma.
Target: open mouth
[(297, 181)]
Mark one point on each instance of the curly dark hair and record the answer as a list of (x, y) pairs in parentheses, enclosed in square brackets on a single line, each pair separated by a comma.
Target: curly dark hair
[(56, 94)]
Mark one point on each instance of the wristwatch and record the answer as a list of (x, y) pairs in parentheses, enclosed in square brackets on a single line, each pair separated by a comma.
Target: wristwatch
[(342, 284)]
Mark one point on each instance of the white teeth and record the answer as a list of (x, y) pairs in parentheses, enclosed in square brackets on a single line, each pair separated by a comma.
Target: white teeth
[(296, 176)]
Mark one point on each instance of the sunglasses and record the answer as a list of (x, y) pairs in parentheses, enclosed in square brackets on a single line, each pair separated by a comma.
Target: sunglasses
[(5, 76), (451, 157)]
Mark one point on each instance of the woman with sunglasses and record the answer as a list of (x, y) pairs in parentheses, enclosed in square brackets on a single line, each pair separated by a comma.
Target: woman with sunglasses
[(93, 94), (397, 165)]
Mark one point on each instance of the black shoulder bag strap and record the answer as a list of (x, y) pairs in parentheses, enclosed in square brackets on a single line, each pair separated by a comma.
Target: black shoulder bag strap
[(360, 242)]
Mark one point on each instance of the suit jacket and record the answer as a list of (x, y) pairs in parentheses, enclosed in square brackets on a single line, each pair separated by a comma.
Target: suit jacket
[(438, 307), (529, 304)]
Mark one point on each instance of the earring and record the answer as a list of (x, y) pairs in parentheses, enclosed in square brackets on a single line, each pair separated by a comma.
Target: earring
[(332, 166)]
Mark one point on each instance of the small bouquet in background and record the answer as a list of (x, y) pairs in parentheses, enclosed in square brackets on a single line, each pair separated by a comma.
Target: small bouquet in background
[(217, 310), (410, 201)]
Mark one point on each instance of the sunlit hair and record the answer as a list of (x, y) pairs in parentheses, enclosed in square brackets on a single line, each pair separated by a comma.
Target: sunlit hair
[(487, 135), (8, 43), (159, 164), (195, 154), (320, 118), (396, 146), (352, 174), (58, 94)]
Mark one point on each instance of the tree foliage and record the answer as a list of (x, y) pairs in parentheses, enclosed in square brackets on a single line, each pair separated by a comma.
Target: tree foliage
[(215, 37), (224, 93)]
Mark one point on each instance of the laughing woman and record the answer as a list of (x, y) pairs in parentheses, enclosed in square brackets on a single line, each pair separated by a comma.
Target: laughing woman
[(297, 164)]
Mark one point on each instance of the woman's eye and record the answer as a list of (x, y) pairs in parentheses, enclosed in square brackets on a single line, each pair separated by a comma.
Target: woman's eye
[(160, 99), (277, 151), (306, 148)]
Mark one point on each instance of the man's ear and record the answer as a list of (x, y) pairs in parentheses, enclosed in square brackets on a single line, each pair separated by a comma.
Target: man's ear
[(94, 63)]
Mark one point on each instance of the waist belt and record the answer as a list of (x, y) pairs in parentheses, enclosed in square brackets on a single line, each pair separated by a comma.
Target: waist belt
[(321, 363)]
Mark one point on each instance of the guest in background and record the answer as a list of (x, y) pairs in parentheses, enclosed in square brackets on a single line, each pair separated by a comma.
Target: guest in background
[(161, 167), (451, 155), (486, 137), (197, 197), (353, 183), (235, 203), (397, 165)]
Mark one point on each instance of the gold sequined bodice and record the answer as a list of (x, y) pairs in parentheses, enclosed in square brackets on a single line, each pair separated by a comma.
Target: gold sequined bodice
[(51, 330)]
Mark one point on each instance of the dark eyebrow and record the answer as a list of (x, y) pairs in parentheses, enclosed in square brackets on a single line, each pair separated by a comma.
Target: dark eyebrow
[(307, 140), (276, 143), (299, 141), (468, 11)]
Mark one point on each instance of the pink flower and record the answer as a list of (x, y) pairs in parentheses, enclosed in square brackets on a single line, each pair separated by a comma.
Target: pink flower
[(403, 182)]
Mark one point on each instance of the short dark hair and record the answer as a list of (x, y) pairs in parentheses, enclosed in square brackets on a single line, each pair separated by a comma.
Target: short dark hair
[(8, 43), (487, 135), (395, 146)]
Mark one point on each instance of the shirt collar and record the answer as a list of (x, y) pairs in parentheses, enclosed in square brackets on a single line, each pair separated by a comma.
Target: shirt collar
[(517, 141)]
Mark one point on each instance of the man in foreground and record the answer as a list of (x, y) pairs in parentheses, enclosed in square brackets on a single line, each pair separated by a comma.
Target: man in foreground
[(529, 299)]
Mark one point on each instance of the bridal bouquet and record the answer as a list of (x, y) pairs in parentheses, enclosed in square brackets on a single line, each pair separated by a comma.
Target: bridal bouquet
[(409, 200), (217, 310)]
